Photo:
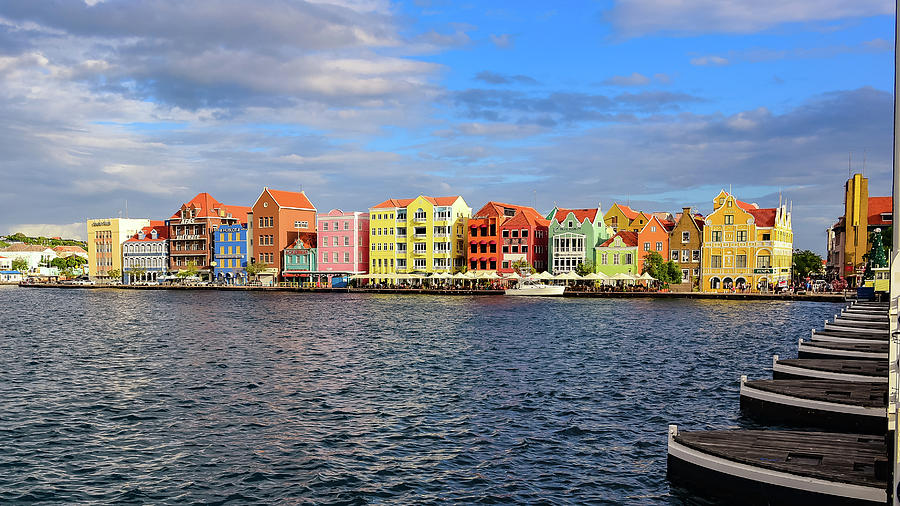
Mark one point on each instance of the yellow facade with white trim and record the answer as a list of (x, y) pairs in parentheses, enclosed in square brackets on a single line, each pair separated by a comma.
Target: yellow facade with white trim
[(421, 237), (739, 251)]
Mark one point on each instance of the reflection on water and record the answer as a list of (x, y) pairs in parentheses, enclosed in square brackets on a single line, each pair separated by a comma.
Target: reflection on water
[(123, 396)]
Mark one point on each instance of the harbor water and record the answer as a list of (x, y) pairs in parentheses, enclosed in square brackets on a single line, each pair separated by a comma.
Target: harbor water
[(116, 396)]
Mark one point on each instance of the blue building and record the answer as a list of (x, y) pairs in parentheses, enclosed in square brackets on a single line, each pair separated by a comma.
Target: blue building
[(230, 254)]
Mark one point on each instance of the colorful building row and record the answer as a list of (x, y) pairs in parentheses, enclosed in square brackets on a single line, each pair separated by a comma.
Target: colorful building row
[(737, 245)]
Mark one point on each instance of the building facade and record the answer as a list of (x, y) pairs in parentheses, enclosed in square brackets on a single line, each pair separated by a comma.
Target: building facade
[(745, 246), (619, 254), (574, 235), (485, 251), (278, 218), (104, 239), (652, 237), (686, 245), (849, 238), (230, 244), (343, 244), (301, 260), (525, 238), (34, 254), (145, 256), (420, 235), (192, 229)]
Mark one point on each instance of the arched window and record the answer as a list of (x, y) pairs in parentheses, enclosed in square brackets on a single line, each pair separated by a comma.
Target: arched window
[(727, 283), (714, 283)]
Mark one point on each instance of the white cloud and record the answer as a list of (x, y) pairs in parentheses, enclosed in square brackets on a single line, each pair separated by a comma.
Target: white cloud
[(635, 79), (639, 17), (503, 41), (709, 60)]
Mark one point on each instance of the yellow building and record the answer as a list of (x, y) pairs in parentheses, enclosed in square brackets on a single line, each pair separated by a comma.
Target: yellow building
[(623, 218), (104, 238), (420, 235), (745, 246)]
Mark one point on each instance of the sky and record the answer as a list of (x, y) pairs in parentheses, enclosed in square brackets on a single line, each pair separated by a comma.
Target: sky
[(654, 103)]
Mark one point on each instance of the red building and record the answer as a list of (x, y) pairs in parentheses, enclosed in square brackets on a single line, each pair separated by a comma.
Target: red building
[(191, 231), (276, 220), (484, 252), (524, 237)]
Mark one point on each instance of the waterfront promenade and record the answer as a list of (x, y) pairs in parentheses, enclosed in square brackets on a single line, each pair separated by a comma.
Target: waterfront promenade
[(814, 297)]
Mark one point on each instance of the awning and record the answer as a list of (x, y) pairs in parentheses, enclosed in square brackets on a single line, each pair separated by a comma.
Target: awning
[(483, 242), (473, 241), (493, 241)]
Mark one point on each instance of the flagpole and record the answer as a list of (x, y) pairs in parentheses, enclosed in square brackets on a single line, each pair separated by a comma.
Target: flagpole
[(894, 373)]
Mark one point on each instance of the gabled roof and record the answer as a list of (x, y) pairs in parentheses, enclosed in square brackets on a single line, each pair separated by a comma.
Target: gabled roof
[(204, 202), (745, 206), (526, 217), (763, 217), (877, 206), (162, 233), (657, 220), (238, 212), (66, 249), (627, 211), (296, 200), (305, 240), (628, 237), (437, 201), (581, 215)]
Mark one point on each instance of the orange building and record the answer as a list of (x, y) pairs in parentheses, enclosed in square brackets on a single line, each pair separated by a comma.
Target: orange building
[(654, 236), (276, 220), (191, 231), (485, 243)]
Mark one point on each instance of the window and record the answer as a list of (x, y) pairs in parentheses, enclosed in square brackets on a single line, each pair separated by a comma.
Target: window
[(401, 231), (325, 226), (505, 248), (335, 257), (603, 258), (346, 240), (740, 261), (615, 259), (505, 233), (346, 225), (716, 236), (515, 248), (524, 233), (515, 233), (628, 259), (419, 263), (767, 237), (420, 215), (505, 264), (658, 246), (646, 246), (695, 255), (684, 274), (335, 225), (653, 228), (419, 247), (715, 261), (741, 235), (524, 248), (763, 261), (674, 255), (685, 255), (729, 219), (685, 237)]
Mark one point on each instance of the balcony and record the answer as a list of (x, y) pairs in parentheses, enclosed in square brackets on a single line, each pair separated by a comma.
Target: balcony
[(401, 218), (191, 237), (420, 252), (442, 253), (189, 253), (420, 219), (230, 255), (420, 236)]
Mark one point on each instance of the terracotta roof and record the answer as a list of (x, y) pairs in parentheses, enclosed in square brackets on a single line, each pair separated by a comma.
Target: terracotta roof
[(291, 199), (76, 249), (763, 217), (308, 239), (202, 201), (25, 248), (628, 237), (627, 211), (162, 232), (700, 221), (878, 205), (526, 217), (580, 214), (437, 201), (669, 225), (745, 206)]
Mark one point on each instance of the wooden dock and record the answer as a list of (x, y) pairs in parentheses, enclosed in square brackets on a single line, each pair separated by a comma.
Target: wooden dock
[(838, 383)]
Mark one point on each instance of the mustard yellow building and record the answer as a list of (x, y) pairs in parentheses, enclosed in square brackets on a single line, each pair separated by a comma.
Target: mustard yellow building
[(623, 218), (104, 238), (745, 246), (420, 235)]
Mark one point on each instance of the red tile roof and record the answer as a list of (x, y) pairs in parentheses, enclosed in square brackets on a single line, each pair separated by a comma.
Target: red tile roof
[(763, 217), (628, 212), (437, 201), (75, 249), (162, 232), (239, 213), (526, 217), (291, 199), (878, 205), (580, 214), (745, 206), (628, 237)]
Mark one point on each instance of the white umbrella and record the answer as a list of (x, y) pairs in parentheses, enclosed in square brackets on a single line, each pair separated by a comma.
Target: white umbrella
[(491, 275), (512, 275), (459, 275), (593, 276), (621, 276), (571, 275), (544, 275), (646, 277)]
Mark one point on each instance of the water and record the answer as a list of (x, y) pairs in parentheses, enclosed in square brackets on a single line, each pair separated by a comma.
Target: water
[(114, 396)]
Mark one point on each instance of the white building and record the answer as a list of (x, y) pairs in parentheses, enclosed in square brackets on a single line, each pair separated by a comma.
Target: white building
[(35, 255)]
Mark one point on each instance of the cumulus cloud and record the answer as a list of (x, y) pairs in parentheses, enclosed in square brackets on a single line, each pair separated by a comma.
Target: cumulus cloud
[(503, 41), (640, 17)]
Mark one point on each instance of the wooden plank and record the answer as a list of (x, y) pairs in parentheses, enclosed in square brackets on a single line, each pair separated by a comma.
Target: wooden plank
[(871, 395), (875, 368)]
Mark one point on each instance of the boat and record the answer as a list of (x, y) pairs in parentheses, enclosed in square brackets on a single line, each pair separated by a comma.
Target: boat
[(864, 371), (537, 290)]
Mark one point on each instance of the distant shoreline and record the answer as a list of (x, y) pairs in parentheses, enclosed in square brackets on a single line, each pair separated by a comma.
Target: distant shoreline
[(815, 297)]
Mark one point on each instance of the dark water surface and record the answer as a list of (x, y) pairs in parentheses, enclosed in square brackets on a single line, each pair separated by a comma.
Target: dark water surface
[(114, 396)]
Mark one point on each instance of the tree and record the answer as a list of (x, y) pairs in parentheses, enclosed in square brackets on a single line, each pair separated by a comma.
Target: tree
[(806, 262), (189, 270), (462, 269), (114, 273), (584, 268), (522, 267), (20, 264), (662, 271), (255, 269), (4, 244), (137, 272), (674, 272)]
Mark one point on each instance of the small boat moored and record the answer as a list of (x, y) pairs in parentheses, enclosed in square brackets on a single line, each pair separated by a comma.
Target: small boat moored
[(864, 371), (536, 289)]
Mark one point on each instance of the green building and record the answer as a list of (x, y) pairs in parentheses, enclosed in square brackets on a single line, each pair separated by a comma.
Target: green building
[(574, 235)]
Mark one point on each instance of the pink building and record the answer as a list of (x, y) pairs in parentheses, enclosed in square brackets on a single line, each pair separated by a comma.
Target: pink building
[(343, 242)]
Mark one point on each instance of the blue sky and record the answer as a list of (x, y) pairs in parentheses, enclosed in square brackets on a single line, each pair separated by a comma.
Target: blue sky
[(658, 103)]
